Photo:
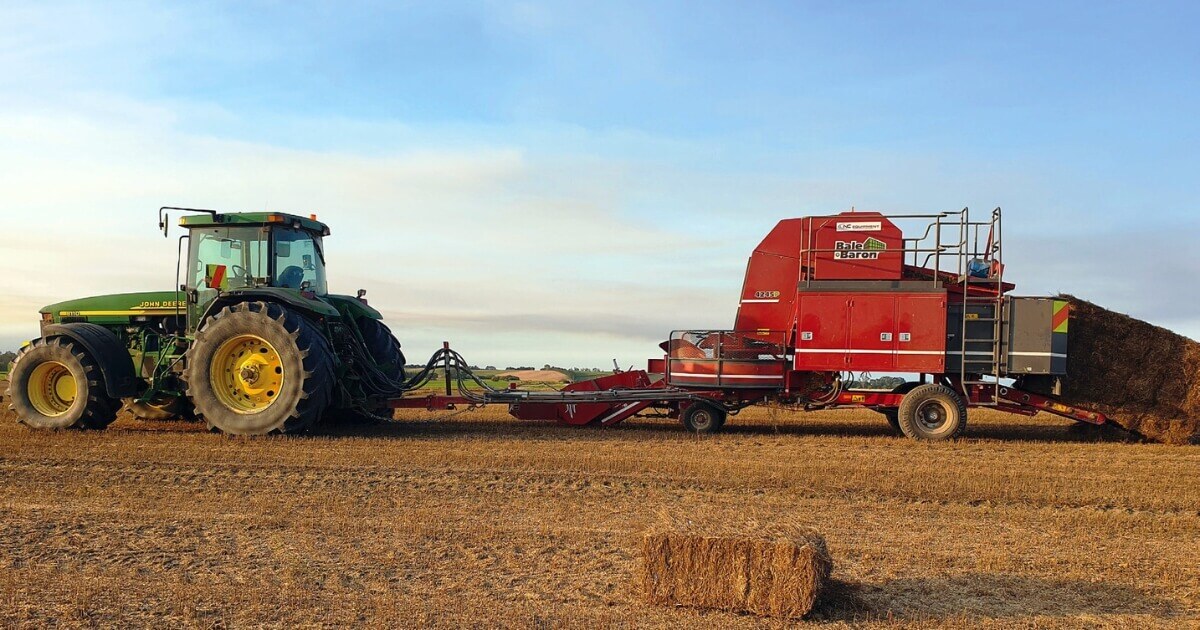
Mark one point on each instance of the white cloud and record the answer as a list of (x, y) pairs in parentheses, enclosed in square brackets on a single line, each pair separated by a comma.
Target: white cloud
[(489, 239)]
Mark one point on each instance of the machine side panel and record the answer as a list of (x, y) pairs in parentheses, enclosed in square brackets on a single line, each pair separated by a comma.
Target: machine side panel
[(768, 300), (872, 332), (921, 333), (1037, 333), (823, 333)]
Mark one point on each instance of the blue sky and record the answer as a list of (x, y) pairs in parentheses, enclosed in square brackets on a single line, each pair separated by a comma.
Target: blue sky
[(601, 172)]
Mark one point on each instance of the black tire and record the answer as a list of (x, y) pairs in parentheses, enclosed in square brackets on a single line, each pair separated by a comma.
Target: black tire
[(932, 412), (893, 413), (383, 347), (703, 418), (303, 371), (70, 390), (167, 408)]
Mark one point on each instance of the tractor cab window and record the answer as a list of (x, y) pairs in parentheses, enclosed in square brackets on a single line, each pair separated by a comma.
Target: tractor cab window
[(299, 261), (227, 258), (224, 258)]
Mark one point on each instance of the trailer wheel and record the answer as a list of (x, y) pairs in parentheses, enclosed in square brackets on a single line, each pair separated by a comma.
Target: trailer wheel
[(256, 368), (932, 412), (893, 413), (56, 385), (703, 418)]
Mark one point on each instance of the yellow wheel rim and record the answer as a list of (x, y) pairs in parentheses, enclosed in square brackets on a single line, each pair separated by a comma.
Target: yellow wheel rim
[(246, 374), (52, 388)]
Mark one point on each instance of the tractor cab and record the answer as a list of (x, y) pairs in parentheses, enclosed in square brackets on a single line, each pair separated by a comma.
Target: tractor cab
[(251, 251)]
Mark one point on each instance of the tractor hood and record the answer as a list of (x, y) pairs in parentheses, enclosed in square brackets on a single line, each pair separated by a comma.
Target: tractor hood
[(118, 306)]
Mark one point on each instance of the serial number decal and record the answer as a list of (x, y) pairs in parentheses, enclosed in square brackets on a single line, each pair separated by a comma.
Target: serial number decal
[(766, 294)]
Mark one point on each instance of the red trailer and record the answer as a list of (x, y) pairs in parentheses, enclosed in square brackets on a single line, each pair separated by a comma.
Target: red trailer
[(825, 297)]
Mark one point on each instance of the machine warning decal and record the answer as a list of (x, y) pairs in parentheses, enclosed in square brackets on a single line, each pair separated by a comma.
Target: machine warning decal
[(859, 250), (214, 277), (857, 398), (1062, 316), (860, 226)]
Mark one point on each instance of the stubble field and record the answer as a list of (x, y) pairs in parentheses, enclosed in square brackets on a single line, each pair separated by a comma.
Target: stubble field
[(471, 518)]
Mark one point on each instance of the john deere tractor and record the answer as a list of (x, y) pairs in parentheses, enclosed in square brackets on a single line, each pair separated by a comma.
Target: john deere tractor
[(250, 342)]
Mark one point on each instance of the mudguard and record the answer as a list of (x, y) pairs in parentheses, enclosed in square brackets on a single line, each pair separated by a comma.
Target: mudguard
[(106, 349)]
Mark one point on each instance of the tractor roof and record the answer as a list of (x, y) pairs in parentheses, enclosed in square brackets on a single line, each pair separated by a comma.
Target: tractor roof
[(254, 218)]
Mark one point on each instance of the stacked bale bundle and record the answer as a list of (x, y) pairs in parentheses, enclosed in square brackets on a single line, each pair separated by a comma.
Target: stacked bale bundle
[(1143, 377), (766, 571)]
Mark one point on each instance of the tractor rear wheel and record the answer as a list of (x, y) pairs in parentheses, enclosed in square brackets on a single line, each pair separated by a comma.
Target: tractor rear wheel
[(383, 347), (703, 418), (258, 367), (56, 385), (932, 412)]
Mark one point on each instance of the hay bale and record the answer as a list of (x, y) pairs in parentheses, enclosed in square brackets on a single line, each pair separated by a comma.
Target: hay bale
[(767, 572), (1143, 377)]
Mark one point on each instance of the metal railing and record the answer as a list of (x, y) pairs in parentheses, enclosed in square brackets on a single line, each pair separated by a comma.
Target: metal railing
[(984, 270), (956, 251)]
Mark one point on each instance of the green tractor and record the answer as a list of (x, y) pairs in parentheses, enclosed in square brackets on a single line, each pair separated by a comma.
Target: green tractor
[(250, 342)]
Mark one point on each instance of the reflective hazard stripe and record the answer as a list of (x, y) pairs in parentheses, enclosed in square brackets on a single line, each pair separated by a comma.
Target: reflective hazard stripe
[(1062, 315)]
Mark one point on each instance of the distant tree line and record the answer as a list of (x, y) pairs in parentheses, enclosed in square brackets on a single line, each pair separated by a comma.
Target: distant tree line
[(882, 382), (6, 358)]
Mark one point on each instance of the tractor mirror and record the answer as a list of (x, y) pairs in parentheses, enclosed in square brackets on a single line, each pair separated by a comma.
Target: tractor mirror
[(283, 249), (226, 249), (163, 223)]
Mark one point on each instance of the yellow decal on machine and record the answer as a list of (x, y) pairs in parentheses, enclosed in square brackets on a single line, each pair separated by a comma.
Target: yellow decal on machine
[(1062, 316)]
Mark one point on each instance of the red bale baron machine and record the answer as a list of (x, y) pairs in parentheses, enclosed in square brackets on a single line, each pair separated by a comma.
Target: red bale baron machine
[(829, 296)]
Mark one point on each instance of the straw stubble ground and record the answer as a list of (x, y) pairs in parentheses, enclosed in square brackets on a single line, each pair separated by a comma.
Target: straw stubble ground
[(480, 520)]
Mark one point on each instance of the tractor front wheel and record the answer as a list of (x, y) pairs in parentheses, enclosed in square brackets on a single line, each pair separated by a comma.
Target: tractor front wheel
[(256, 368), (56, 385)]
